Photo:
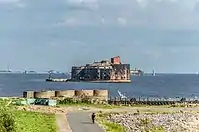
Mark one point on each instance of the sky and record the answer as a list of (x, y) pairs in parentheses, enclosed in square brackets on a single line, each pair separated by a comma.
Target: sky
[(149, 34)]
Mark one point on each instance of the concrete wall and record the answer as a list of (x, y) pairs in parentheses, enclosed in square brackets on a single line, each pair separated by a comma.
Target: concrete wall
[(80, 93), (65, 93), (28, 94), (99, 94), (44, 94)]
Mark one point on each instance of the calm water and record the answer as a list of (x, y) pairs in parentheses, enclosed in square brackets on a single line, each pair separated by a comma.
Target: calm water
[(165, 85)]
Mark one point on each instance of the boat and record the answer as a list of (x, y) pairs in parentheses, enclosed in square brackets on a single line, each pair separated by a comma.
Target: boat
[(137, 72), (50, 79), (57, 80), (153, 74)]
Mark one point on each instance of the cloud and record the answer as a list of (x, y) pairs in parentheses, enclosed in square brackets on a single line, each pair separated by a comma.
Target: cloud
[(122, 21), (9, 1), (160, 14), (89, 5), (145, 33), (15, 3)]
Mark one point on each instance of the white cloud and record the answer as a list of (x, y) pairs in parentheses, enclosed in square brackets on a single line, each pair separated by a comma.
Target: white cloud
[(149, 30), (153, 54), (121, 21), (20, 5), (161, 14), (9, 1), (82, 4), (15, 3), (143, 3)]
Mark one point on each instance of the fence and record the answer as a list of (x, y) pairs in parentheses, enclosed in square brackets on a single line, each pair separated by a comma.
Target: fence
[(151, 101)]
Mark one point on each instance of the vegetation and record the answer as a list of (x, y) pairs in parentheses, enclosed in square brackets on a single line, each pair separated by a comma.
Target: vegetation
[(85, 102), (113, 127), (109, 126), (148, 126), (13, 120), (33, 121), (7, 120)]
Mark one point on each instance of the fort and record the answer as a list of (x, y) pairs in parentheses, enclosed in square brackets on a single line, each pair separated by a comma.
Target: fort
[(104, 71)]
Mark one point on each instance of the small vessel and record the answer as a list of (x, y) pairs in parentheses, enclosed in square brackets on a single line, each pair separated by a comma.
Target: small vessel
[(137, 72), (57, 80), (153, 74), (50, 79)]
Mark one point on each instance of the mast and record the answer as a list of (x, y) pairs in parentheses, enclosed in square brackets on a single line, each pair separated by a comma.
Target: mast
[(153, 73), (8, 67)]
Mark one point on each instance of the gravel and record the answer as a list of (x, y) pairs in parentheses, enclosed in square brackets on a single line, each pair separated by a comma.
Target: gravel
[(168, 122)]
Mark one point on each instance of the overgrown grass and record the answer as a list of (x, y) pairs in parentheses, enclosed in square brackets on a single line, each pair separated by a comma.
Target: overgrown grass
[(147, 126), (156, 111), (85, 102), (34, 122), (113, 127), (109, 126), (25, 121)]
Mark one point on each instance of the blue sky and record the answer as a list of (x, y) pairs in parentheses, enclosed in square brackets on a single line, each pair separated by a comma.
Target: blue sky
[(149, 34)]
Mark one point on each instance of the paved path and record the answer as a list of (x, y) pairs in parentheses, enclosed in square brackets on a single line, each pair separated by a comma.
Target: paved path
[(81, 122), (62, 123)]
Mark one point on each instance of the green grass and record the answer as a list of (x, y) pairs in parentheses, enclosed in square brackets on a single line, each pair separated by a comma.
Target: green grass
[(113, 127), (34, 122), (26, 121), (109, 126)]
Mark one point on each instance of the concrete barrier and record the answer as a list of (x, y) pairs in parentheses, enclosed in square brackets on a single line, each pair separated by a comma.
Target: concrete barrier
[(81, 93), (93, 94), (65, 93), (44, 94), (28, 94)]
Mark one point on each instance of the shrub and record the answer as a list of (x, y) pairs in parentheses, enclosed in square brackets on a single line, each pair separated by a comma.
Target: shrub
[(7, 122)]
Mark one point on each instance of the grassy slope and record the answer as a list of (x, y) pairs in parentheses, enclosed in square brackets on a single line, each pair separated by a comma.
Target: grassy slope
[(34, 122), (31, 121)]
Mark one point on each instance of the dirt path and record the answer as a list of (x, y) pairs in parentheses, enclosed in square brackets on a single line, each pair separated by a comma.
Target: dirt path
[(62, 123)]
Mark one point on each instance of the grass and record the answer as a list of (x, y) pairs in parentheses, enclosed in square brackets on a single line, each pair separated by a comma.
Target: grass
[(152, 111), (147, 126), (109, 126), (34, 122), (113, 127), (26, 121)]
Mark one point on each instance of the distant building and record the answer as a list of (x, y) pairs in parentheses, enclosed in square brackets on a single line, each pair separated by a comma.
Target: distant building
[(105, 70)]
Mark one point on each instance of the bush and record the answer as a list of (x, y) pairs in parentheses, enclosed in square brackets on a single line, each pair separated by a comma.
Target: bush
[(7, 122)]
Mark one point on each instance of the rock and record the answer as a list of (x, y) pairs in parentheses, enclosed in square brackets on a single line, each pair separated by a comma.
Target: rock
[(183, 122)]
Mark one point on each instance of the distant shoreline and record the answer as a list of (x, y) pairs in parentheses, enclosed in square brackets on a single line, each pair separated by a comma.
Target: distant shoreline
[(145, 74)]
